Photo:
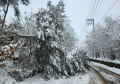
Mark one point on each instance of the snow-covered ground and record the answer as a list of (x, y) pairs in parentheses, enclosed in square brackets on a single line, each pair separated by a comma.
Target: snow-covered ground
[(113, 69), (108, 60), (81, 79)]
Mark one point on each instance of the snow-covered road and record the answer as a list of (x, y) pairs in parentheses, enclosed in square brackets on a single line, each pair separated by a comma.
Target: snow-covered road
[(95, 77), (109, 76)]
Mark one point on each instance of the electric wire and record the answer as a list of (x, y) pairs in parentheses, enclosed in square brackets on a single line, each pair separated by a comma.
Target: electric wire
[(93, 12), (109, 10), (89, 12), (98, 8), (95, 8), (117, 19), (87, 16), (92, 8)]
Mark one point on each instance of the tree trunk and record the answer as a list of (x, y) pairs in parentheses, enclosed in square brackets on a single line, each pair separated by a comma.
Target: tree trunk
[(5, 15), (103, 55)]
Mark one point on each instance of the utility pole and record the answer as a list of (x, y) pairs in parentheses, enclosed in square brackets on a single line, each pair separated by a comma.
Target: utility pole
[(89, 22)]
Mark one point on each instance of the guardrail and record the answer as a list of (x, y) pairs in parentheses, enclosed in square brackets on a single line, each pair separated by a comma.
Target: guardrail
[(111, 64)]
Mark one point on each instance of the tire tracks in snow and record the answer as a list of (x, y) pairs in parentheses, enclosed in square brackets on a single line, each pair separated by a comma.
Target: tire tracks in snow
[(108, 76), (95, 77)]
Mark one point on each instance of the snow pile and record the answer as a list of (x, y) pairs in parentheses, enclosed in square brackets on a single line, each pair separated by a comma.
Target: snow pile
[(113, 69)]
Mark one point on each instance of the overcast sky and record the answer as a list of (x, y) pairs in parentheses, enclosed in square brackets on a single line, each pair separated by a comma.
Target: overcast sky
[(77, 10)]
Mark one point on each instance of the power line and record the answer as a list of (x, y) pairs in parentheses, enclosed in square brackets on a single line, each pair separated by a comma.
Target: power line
[(95, 8), (116, 21), (92, 8), (89, 11), (88, 15), (98, 8), (109, 9), (118, 17), (93, 12)]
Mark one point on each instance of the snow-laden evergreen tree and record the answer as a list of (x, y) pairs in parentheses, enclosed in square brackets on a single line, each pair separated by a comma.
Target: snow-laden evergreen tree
[(50, 54)]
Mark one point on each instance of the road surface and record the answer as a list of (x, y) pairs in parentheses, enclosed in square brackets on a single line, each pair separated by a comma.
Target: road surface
[(99, 75)]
